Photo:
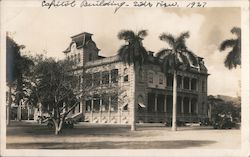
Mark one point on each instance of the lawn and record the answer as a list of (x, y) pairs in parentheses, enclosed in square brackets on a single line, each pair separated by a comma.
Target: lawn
[(94, 136)]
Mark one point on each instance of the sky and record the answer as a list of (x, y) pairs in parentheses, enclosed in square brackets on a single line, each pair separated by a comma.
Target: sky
[(49, 31)]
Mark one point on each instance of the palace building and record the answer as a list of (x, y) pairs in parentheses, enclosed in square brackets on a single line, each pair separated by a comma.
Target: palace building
[(151, 89)]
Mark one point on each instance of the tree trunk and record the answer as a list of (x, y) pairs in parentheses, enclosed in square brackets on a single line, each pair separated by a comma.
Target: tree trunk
[(9, 107), (57, 126), (133, 116), (174, 128)]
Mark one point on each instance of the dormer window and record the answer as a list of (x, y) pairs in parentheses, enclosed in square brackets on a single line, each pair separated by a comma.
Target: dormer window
[(73, 48)]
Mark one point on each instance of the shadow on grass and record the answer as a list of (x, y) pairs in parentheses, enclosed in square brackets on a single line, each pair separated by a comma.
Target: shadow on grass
[(179, 144), (83, 130)]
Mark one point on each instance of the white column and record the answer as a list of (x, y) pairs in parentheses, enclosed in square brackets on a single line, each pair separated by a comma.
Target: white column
[(156, 102), (182, 82), (109, 109), (100, 111), (92, 108), (28, 112), (182, 105), (197, 108), (190, 83), (19, 112), (110, 77), (120, 113), (189, 105), (82, 105), (165, 103)]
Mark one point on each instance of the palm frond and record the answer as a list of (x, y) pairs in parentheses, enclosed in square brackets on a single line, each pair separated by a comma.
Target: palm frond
[(142, 33), (168, 38), (126, 35), (226, 44), (181, 41), (183, 36), (233, 58)]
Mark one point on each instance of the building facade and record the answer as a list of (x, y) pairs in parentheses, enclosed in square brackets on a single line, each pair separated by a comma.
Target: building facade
[(116, 86)]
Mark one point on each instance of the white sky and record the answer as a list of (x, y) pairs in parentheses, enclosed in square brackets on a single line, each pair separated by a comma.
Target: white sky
[(41, 29)]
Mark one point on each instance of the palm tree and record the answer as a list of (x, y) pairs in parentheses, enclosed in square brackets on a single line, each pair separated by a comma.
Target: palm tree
[(133, 53), (233, 58), (174, 59)]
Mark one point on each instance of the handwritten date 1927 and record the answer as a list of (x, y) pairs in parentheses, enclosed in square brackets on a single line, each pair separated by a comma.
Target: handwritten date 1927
[(196, 4)]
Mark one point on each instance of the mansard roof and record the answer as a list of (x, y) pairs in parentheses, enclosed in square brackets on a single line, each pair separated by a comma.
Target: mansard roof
[(81, 40)]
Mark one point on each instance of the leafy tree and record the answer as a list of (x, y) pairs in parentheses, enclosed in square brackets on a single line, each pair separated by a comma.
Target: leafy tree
[(17, 68), (133, 53), (58, 90), (221, 107), (174, 59), (233, 58), (53, 87)]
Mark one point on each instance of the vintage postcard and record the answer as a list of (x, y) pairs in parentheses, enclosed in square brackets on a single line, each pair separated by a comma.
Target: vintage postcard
[(124, 78)]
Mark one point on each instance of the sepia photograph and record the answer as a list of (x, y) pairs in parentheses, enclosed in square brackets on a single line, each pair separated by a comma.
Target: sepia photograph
[(124, 78)]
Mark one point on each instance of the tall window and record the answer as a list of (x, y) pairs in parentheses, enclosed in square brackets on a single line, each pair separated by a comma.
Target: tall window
[(186, 83), (79, 82), (96, 78), (88, 106), (203, 86), (88, 80), (114, 103), (75, 59), (90, 57), (125, 77), (150, 77), (105, 103), (96, 107), (140, 75), (79, 58), (160, 79), (170, 80), (114, 75), (193, 84), (179, 81), (105, 77)]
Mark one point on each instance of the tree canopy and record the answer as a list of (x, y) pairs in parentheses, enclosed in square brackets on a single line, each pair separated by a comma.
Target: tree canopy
[(178, 56), (133, 52)]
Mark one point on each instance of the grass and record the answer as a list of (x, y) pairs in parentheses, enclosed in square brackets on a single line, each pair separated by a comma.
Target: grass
[(93, 136)]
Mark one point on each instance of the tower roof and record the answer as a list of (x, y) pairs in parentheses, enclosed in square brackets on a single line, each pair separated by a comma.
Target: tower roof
[(80, 39)]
